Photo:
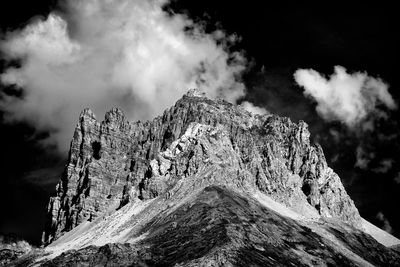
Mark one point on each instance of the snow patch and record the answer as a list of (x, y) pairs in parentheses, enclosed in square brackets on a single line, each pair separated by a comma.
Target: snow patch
[(105, 229), (277, 207), (380, 235)]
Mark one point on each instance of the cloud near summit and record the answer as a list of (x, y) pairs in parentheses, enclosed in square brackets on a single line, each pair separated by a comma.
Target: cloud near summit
[(104, 53), (349, 98)]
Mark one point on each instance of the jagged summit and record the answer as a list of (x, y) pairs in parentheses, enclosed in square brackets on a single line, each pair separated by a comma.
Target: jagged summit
[(115, 115), (147, 184), (87, 113), (195, 93)]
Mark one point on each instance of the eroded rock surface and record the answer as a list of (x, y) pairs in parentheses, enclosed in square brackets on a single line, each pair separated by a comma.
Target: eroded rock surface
[(205, 184), (116, 161)]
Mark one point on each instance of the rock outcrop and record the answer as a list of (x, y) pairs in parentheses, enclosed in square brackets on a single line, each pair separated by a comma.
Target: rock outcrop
[(11, 248), (116, 161), (205, 184)]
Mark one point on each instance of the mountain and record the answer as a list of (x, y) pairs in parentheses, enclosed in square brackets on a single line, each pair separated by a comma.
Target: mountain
[(205, 184)]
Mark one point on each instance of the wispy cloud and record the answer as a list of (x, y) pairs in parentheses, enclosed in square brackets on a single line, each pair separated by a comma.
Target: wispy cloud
[(344, 97), (254, 109), (385, 224), (104, 53), (397, 178)]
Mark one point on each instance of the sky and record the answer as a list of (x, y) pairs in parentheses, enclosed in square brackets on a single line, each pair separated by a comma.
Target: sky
[(333, 66)]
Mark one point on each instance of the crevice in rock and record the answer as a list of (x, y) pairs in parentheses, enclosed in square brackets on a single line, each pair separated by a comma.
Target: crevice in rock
[(306, 188), (96, 146), (167, 138), (132, 166), (142, 184)]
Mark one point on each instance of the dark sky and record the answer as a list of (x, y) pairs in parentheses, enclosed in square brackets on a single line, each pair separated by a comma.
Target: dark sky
[(277, 39)]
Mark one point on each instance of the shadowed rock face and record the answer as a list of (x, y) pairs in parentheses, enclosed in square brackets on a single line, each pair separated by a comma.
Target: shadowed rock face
[(189, 189)]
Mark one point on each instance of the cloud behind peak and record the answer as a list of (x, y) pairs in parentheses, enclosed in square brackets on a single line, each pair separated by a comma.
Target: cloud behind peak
[(99, 54)]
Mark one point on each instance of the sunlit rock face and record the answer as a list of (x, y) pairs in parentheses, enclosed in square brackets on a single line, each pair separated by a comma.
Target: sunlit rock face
[(207, 183)]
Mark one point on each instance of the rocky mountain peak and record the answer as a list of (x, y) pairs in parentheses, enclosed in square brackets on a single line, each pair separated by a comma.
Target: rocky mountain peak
[(87, 114), (198, 150), (112, 162), (195, 93), (114, 116)]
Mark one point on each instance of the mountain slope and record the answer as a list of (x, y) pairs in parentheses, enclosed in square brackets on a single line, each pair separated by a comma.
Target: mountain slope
[(219, 226), (206, 183)]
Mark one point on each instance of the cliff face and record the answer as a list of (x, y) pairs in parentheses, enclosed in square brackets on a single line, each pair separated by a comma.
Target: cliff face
[(116, 162)]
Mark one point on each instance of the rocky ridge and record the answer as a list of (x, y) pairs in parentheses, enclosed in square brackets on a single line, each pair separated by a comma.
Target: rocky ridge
[(114, 161), (205, 184)]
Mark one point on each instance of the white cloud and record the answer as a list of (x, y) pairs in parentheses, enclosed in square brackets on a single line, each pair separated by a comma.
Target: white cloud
[(363, 158), (385, 224), (104, 53), (384, 166), (345, 97), (397, 178), (254, 109)]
